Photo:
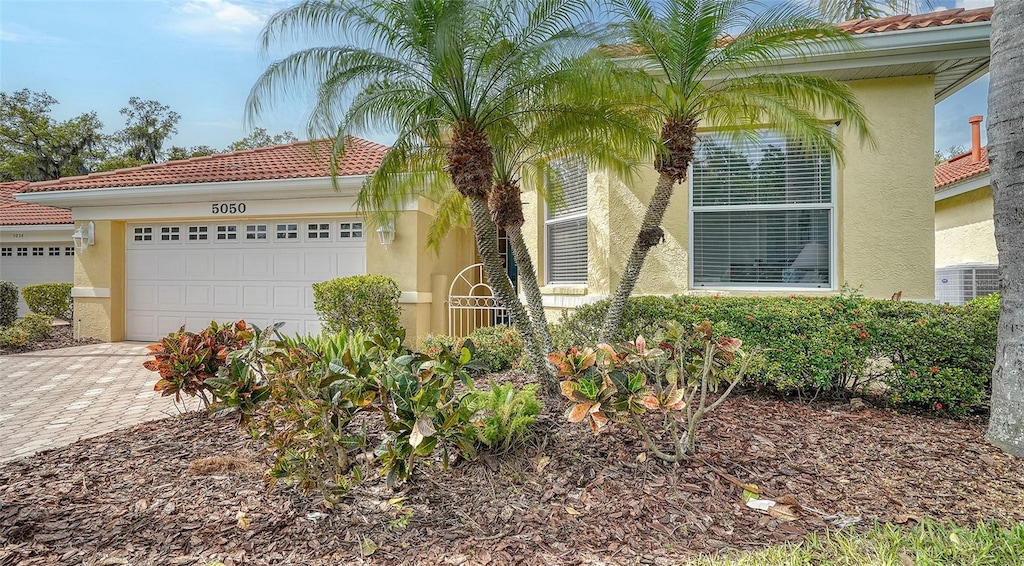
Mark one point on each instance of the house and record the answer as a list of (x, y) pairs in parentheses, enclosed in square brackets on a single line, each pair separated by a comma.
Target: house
[(35, 242), (244, 234), (238, 235), (769, 218), (966, 261)]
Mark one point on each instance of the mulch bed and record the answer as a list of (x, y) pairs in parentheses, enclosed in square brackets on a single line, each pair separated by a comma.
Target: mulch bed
[(189, 490), (63, 336)]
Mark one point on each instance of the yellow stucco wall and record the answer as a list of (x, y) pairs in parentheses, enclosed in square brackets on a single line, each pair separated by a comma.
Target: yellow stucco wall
[(884, 205), (99, 271), (964, 231)]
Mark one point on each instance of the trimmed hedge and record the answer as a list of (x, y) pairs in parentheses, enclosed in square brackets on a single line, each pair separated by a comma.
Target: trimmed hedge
[(8, 303), (367, 303), (833, 345), (53, 299)]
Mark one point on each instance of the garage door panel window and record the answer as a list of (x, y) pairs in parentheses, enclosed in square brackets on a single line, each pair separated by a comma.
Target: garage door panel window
[(230, 232), (54, 251), (70, 250), (6, 252), (762, 214), (198, 233), (37, 252), (143, 234), (287, 231), (350, 230), (255, 232), (318, 231), (170, 234), (22, 252)]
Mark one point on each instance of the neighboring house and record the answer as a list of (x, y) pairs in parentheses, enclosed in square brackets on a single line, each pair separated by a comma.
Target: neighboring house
[(35, 242), (244, 234), (772, 218), (239, 235), (965, 244)]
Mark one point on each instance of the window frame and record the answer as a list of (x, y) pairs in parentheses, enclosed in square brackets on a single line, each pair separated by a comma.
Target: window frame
[(833, 247), (566, 219)]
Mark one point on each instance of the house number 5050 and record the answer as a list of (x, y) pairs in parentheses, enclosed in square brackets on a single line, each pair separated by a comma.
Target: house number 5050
[(228, 208)]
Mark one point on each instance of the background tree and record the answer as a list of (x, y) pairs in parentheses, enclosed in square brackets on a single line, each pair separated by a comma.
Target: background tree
[(148, 124), (35, 147), (440, 74), (702, 82), (950, 153), (177, 152), (1005, 148), (260, 138)]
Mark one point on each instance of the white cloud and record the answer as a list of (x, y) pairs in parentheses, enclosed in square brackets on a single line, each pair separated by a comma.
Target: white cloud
[(230, 22), (19, 34)]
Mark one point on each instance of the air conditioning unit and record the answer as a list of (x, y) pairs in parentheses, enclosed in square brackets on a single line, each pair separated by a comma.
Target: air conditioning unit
[(957, 284)]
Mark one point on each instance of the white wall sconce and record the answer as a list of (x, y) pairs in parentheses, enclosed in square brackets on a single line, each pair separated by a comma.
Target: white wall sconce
[(84, 235), (386, 233)]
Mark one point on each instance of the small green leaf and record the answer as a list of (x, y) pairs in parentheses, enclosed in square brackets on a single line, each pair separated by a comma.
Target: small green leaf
[(465, 356)]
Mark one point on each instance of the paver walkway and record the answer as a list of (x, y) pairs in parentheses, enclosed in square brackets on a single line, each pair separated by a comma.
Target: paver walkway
[(52, 398)]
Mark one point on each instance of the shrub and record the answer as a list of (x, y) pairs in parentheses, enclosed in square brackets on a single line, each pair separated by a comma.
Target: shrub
[(52, 299), (13, 337), (38, 326), (495, 348), (503, 415), (368, 303), (186, 360), (835, 345), (685, 376), (8, 303), (988, 301)]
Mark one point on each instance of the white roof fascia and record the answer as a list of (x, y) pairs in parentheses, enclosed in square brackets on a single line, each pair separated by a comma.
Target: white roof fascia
[(190, 192), (959, 41), (37, 227), (967, 185)]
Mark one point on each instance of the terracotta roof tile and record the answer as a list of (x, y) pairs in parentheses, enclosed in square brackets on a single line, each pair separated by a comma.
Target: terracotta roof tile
[(918, 21), (8, 189), (13, 213), (289, 161), (959, 168)]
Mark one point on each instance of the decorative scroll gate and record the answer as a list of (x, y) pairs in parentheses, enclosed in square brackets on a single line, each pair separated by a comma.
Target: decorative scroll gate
[(472, 304)]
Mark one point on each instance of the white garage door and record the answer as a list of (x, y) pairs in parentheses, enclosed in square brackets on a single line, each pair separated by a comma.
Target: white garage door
[(31, 263), (190, 273)]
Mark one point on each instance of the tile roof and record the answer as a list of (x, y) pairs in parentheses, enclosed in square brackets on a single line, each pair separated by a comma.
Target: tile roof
[(918, 21), (289, 161), (13, 213), (959, 168), (866, 26)]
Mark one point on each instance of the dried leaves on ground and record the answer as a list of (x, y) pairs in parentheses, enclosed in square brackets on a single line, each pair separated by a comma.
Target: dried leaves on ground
[(63, 336), (189, 490)]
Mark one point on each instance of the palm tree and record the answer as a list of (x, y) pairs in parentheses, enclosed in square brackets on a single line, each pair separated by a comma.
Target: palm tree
[(1005, 146), (844, 10), (707, 74), (440, 73)]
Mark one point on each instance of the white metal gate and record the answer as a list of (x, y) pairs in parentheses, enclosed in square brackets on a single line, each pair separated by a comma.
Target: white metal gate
[(471, 302)]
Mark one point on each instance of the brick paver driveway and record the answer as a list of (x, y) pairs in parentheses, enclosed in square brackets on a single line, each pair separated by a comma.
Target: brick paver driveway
[(52, 398)]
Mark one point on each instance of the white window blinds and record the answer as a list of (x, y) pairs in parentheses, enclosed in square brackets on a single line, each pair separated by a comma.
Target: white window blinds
[(566, 228), (762, 214)]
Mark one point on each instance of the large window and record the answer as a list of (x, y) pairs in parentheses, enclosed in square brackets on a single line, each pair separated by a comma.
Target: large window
[(566, 228), (762, 214)]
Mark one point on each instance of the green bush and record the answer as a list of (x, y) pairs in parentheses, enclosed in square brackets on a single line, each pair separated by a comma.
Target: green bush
[(988, 301), (8, 303), (38, 326), (52, 299), (495, 348), (835, 345), (367, 303), (13, 337)]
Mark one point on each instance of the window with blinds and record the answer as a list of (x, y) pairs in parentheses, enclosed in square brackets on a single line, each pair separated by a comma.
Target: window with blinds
[(762, 214), (566, 228)]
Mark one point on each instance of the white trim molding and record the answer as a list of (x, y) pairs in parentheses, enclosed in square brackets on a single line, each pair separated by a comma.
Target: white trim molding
[(965, 186), (415, 298), (90, 292)]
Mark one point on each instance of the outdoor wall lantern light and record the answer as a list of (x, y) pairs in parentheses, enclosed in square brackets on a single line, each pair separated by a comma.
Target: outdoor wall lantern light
[(85, 235), (386, 233)]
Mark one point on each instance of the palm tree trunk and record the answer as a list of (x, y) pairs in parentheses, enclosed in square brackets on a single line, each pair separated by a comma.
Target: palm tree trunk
[(650, 235), (528, 279), (1006, 146), (487, 245)]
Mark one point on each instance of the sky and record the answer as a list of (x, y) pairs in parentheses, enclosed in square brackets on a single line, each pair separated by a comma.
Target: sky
[(200, 57)]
